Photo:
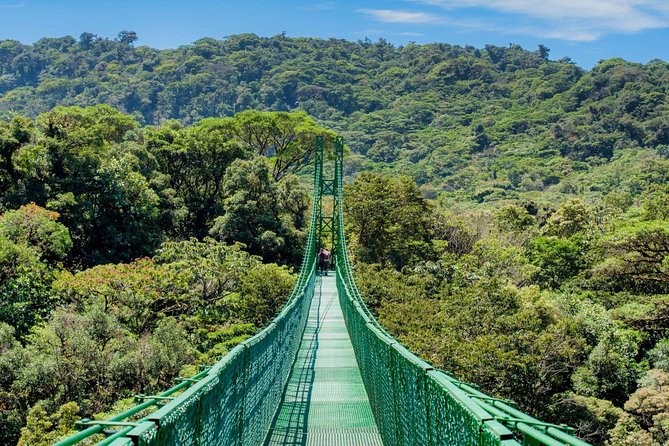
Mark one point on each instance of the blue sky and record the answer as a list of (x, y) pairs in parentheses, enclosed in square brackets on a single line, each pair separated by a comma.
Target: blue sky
[(585, 30)]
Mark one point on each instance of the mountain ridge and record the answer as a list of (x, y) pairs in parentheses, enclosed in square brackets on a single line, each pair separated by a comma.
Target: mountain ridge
[(470, 125)]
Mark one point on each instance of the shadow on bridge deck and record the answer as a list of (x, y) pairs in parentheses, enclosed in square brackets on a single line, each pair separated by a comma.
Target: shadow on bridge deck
[(325, 402)]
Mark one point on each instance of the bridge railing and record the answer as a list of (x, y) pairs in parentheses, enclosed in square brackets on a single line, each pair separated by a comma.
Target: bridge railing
[(416, 404), (232, 402)]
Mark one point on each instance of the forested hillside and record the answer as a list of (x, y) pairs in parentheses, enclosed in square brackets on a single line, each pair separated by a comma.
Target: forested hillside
[(565, 312), (473, 124)]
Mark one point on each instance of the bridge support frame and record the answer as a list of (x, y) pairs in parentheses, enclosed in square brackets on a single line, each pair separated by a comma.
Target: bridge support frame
[(327, 223)]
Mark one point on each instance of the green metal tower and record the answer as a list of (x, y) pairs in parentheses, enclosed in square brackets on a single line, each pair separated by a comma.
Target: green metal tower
[(328, 225)]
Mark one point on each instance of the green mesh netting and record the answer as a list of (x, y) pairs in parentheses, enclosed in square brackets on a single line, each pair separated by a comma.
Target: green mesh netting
[(236, 402)]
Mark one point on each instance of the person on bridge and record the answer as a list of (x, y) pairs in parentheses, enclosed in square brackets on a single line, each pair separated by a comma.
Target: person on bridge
[(324, 261)]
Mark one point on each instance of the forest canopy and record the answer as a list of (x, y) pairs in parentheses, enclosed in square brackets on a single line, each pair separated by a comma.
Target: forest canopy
[(473, 125)]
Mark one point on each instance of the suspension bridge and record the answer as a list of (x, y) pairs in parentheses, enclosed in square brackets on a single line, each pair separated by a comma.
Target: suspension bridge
[(323, 372)]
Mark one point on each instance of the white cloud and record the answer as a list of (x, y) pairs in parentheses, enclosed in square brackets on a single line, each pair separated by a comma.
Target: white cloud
[(579, 20), (399, 16)]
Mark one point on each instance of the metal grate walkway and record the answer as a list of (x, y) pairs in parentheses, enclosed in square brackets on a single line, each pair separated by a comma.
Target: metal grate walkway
[(325, 402)]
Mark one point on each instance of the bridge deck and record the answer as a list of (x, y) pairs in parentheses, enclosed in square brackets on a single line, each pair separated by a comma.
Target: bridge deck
[(325, 402)]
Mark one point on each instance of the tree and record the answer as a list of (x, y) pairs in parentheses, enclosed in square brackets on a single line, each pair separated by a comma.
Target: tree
[(514, 218), (659, 355), (543, 52), (263, 292), (611, 372), (81, 170), (127, 37), (44, 429), (286, 138), (125, 224), (36, 227), (211, 270), (388, 218), (627, 432), (571, 218), (638, 257), (497, 259), (593, 418), (508, 341), (253, 212), (481, 139), (196, 160), (84, 130), (650, 404), (138, 294), (25, 295), (13, 134), (12, 411), (557, 259), (86, 40), (458, 233)]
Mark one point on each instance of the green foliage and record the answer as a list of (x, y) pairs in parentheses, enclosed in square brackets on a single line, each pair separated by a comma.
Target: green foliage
[(389, 219), (195, 161), (523, 302), (115, 330), (44, 429), (288, 138), (210, 271), (611, 371), (12, 415), (454, 233), (514, 218), (592, 418), (659, 355), (477, 124), (81, 129), (561, 309), (36, 227), (220, 340), (493, 259), (262, 291), (13, 135), (28, 236), (650, 403), (120, 190), (656, 205), (557, 259), (508, 341), (79, 168), (627, 432), (138, 294), (571, 218), (256, 212), (638, 257)]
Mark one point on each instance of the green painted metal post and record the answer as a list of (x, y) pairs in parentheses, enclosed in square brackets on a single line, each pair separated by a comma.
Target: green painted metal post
[(328, 225), (318, 188), (337, 183)]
